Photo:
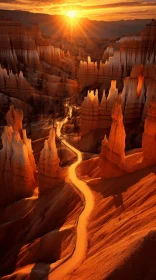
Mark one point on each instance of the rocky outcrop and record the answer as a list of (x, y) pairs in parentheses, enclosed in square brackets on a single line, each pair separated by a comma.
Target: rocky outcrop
[(49, 171), (112, 159), (17, 164), (149, 135), (112, 156)]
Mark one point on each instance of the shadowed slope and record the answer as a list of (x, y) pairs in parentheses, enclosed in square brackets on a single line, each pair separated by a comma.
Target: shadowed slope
[(122, 234)]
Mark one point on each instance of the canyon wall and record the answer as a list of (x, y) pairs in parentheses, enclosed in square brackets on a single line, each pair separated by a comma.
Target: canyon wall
[(20, 44), (136, 94), (118, 60), (112, 160)]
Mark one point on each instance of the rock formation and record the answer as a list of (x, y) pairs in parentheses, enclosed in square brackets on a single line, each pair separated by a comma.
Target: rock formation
[(17, 164), (112, 159), (133, 95), (87, 113), (149, 135), (137, 92), (87, 73), (112, 96), (97, 115), (150, 86), (14, 119), (17, 45), (135, 49), (112, 156), (32, 70), (118, 61), (14, 85), (49, 171)]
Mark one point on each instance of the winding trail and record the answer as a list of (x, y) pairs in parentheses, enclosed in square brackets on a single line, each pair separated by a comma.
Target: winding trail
[(81, 240)]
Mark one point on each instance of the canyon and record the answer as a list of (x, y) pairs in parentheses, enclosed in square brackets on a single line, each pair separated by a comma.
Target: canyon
[(77, 155)]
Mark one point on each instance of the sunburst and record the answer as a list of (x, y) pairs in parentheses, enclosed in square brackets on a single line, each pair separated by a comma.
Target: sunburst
[(71, 14)]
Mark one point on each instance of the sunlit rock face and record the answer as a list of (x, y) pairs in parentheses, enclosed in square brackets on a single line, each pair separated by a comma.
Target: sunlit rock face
[(112, 159), (112, 156), (14, 118), (137, 92), (106, 106), (97, 115), (149, 135), (17, 164), (49, 171), (112, 96)]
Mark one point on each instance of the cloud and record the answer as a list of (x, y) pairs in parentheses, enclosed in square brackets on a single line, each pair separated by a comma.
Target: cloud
[(116, 5), (75, 5), (85, 8)]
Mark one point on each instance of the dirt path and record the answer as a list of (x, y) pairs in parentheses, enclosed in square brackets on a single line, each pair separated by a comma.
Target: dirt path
[(81, 241)]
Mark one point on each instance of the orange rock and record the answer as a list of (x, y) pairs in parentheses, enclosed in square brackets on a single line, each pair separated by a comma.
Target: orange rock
[(149, 135), (17, 164), (49, 171), (112, 156)]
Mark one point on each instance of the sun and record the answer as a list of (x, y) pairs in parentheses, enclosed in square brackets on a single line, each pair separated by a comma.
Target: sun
[(71, 14)]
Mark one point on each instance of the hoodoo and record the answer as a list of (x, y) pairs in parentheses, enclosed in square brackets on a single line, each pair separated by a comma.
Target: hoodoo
[(50, 173), (17, 164), (14, 118), (112, 157)]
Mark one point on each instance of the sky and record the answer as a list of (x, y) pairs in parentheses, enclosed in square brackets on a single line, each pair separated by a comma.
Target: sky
[(106, 10)]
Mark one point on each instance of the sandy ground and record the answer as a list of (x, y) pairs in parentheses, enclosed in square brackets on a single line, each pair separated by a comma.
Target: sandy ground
[(122, 228), (36, 233)]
